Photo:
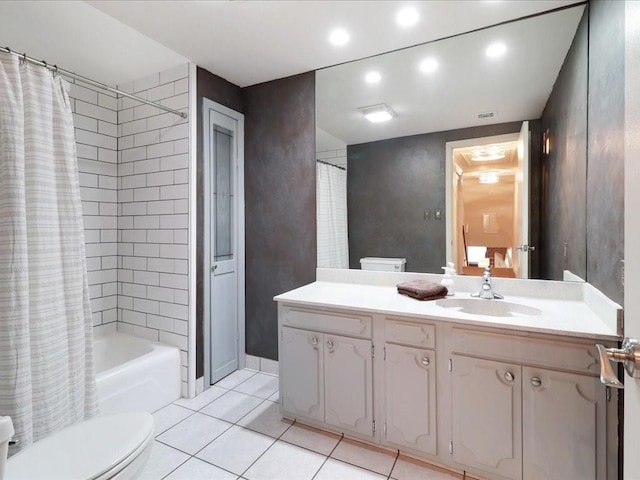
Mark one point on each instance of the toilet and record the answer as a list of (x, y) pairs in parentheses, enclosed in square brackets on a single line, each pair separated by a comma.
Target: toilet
[(109, 447), (383, 264)]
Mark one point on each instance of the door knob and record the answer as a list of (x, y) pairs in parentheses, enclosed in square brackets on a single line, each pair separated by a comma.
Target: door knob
[(629, 355)]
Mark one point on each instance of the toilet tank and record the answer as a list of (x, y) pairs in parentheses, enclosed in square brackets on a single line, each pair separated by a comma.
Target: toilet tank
[(383, 264)]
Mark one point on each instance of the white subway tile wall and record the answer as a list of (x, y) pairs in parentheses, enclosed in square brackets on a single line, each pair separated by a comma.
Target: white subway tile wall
[(134, 168), (95, 120), (153, 191)]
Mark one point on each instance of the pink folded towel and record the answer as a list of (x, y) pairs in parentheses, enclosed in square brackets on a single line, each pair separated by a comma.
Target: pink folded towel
[(422, 289)]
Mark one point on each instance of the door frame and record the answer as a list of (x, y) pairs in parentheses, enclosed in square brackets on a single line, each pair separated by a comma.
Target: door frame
[(207, 107), (448, 176)]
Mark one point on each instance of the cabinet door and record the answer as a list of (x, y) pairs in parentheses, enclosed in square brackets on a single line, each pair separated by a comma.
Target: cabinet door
[(301, 373), (348, 387), (410, 397), (564, 433), (486, 416)]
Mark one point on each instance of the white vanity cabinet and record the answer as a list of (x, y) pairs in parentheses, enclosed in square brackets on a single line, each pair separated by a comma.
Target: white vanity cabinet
[(410, 398), (486, 416), (409, 418), (500, 398), (570, 409), (518, 421), (302, 373), (326, 377)]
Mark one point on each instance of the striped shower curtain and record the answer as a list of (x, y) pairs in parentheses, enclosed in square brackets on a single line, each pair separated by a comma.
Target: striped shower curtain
[(331, 201), (46, 347)]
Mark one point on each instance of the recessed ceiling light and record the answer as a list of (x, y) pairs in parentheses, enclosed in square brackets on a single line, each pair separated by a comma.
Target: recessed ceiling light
[(373, 77), (407, 17), (488, 153), (377, 113), (496, 50), (339, 37), (429, 65), (489, 177)]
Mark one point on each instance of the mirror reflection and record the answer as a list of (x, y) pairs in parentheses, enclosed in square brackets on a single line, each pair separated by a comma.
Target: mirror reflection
[(396, 140)]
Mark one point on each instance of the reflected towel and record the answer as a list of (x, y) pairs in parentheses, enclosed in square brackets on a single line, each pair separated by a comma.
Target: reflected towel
[(422, 289)]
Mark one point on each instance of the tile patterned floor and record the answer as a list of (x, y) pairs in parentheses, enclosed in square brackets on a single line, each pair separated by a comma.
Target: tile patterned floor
[(234, 431)]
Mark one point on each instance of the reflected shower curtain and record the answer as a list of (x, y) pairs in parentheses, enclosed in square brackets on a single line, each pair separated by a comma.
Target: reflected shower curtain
[(46, 347), (331, 200)]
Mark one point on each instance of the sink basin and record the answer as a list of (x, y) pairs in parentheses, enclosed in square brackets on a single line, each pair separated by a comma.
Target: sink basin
[(489, 308)]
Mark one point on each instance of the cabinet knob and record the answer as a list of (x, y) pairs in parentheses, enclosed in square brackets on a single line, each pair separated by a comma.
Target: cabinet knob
[(536, 382), (314, 341), (508, 376), (425, 361), (330, 344)]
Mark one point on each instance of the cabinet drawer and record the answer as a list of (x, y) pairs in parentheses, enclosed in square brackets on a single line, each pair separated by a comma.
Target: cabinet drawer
[(413, 334), (353, 325), (578, 356)]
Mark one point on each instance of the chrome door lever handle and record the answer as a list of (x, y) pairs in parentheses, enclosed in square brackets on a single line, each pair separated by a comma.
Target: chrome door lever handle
[(607, 375), (629, 355)]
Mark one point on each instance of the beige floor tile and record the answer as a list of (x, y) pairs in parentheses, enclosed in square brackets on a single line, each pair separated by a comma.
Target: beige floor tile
[(311, 438), (266, 419), (236, 449), (337, 470), (232, 406), (407, 468), (284, 461), (366, 456)]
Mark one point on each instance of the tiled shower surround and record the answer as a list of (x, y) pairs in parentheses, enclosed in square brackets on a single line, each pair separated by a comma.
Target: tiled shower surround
[(96, 127), (134, 171)]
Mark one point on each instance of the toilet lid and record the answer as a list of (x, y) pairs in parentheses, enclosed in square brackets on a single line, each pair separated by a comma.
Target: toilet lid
[(83, 451)]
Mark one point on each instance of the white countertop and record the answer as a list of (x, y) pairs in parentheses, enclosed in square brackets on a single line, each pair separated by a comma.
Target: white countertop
[(567, 317)]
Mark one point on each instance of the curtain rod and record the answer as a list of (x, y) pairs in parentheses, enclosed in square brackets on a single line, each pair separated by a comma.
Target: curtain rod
[(331, 164), (54, 68)]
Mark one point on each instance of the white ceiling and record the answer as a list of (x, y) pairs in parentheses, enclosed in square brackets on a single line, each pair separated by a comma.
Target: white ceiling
[(249, 42), (77, 37), (246, 42), (516, 86)]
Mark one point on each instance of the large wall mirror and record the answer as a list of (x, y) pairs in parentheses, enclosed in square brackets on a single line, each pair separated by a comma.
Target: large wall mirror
[(420, 151)]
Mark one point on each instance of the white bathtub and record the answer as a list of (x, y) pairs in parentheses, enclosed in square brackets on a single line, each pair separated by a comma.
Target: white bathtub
[(135, 374)]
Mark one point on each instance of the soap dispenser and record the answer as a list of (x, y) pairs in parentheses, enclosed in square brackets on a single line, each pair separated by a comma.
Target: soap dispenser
[(447, 281)]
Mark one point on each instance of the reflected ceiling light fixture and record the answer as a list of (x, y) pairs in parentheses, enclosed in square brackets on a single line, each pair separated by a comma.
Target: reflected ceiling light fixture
[(496, 49), (373, 77), (429, 65), (489, 177), (488, 153), (339, 37), (377, 113), (407, 17)]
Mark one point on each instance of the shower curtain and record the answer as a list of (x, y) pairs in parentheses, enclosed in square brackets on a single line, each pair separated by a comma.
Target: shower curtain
[(46, 347), (331, 200)]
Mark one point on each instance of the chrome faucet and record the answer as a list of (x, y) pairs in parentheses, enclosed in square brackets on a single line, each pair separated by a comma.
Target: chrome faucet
[(486, 291)]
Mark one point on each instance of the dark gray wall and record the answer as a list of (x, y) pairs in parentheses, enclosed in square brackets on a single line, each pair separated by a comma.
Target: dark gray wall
[(564, 169), (605, 168), (583, 202), (390, 183), (280, 196), (221, 91)]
